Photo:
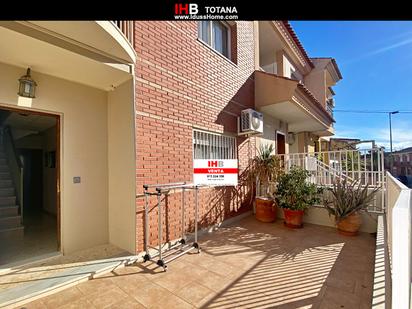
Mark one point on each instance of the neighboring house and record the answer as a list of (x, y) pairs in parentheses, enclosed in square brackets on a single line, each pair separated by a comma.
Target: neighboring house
[(134, 105), (335, 144), (399, 163)]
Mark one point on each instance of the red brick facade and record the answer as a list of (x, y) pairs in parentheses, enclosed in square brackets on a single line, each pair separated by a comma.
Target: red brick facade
[(182, 84)]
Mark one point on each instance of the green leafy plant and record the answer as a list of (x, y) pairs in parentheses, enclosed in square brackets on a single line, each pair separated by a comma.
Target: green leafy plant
[(348, 198), (295, 192), (265, 168)]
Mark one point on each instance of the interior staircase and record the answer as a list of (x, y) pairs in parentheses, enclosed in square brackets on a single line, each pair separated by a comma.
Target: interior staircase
[(10, 216)]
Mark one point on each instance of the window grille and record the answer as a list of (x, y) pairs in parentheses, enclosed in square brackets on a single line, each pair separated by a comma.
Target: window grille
[(213, 146)]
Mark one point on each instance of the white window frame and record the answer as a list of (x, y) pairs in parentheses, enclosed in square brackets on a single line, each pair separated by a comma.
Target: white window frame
[(215, 140), (212, 38)]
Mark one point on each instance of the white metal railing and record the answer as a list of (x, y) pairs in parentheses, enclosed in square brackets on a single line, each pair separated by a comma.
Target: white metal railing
[(365, 166), (399, 236), (127, 28), (329, 108)]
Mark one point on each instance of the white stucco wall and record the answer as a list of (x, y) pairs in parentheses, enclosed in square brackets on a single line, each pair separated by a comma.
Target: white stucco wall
[(271, 126), (319, 215), (121, 147)]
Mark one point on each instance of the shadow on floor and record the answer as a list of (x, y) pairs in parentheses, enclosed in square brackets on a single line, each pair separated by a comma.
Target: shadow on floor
[(307, 268)]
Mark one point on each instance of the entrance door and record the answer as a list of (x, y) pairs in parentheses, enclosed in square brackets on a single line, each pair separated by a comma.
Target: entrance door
[(280, 143), (30, 184)]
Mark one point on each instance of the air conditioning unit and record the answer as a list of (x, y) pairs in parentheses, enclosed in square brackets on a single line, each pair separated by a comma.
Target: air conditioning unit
[(251, 121)]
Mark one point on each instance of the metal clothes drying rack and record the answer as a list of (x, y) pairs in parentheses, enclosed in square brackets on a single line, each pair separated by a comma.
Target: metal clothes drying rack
[(167, 255)]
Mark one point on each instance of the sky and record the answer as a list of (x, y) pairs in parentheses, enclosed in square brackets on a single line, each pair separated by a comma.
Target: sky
[(375, 59)]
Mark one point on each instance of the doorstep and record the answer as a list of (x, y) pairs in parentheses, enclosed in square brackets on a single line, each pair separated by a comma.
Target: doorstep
[(39, 280)]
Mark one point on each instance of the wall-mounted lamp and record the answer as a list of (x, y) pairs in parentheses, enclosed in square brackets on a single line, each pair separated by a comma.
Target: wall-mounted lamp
[(27, 86)]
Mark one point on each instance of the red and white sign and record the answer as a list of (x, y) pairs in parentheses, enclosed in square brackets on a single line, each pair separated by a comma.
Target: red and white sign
[(215, 172)]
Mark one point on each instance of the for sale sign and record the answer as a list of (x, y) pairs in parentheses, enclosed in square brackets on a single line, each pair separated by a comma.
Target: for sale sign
[(215, 172)]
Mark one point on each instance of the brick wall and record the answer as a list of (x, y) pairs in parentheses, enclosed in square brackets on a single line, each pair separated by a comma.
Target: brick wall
[(181, 83)]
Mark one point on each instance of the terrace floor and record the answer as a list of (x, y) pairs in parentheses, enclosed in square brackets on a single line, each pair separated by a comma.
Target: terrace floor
[(246, 265)]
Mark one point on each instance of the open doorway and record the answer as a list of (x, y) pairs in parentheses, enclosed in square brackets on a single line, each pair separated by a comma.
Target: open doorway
[(29, 182), (280, 143)]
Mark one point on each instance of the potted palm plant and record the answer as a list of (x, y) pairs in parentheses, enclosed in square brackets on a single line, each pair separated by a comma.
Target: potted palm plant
[(295, 194), (346, 201), (264, 171)]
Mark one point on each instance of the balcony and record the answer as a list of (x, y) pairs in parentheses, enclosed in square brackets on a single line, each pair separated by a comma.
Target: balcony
[(94, 53), (290, 101), (127, 28)]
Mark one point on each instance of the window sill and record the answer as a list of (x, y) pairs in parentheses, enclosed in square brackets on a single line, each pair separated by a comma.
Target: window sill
[(217, 53)]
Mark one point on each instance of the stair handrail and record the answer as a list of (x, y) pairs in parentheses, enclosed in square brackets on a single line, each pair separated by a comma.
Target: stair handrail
[(15, 164), (337, 173)]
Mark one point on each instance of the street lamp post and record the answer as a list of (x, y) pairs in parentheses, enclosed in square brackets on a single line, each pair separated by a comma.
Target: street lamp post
[(390, 136), (390, 126)]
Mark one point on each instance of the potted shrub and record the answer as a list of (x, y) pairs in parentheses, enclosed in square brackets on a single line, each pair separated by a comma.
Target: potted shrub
[(347, 200), (295, 194), (264, 171)]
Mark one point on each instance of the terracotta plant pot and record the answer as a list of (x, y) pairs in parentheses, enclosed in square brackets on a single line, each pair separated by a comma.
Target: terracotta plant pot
[(293, 218), (350, 225), (265, 209)]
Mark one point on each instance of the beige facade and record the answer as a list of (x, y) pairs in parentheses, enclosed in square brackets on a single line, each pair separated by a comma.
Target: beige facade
[(90, 88), (296, 88), (85, 75)]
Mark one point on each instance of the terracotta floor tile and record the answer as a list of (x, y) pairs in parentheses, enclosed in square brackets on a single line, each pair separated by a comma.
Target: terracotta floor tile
[(340, 282), (128, 303), (194, 293), (62, 298), (81, 303), (37, 304), (336, 298), (106, 298), (149, 293), (214, 282), (173, 281), (247, 265), (98, 285), (169, 302), (128, 279), (193, 271)]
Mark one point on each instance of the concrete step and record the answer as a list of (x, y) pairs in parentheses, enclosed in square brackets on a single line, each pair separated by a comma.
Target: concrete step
[(8, 201), (5, 175), (9, 211), (10, 222), (3, 161), (6, 183), (3, 155), (7, 192), (4, 168), (21, 294), (16, 233)]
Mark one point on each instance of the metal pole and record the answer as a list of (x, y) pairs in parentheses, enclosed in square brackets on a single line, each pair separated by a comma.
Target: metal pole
[(372, 170), (390, 136), (146, 223), (183, 217), (390, 129), (196, 212), (159, 210), (384, 185)]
